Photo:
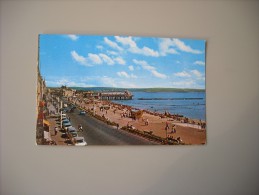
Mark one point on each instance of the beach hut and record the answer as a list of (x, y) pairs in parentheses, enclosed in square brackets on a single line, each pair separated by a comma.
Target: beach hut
[(136, 114), (105, 107)]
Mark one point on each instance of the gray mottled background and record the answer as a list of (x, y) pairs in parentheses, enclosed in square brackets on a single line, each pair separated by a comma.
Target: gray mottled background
[(228, 164)]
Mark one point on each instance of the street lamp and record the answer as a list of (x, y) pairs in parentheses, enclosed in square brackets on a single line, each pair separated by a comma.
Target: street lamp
[(61, 114), (166, 135)]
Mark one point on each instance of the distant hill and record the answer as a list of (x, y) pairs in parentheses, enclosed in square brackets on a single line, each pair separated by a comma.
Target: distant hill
[(137, 89)]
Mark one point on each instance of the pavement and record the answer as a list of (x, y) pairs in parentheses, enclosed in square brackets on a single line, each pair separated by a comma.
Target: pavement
[(56, 137)]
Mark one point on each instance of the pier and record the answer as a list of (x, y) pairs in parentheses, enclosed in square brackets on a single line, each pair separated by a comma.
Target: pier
[(126, 95), (109, 95)]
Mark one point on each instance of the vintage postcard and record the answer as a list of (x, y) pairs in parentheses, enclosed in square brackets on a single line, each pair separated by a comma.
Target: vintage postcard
[(120, 90)]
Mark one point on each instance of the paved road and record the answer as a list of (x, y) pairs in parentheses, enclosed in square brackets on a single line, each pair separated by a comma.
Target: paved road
[(99, 133)]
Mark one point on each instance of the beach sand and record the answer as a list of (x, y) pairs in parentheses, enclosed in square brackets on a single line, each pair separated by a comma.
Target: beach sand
[(189, 133)]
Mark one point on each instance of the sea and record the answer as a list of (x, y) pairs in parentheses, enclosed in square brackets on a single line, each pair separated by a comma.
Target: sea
[(188, 104)]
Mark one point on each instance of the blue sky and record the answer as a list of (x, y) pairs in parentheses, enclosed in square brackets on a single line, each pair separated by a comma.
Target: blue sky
[(121, 61)]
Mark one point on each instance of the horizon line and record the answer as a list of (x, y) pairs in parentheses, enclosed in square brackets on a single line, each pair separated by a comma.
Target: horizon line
[(128, 87)]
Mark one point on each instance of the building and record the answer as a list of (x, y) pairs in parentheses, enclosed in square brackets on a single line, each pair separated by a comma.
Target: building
[(42, 123), (113, 95)]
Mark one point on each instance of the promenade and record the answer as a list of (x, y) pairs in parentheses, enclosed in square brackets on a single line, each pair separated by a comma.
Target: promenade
[(109, 123), (160, 126)]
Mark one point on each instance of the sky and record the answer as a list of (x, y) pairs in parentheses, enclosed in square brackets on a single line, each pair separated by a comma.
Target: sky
[(121, 61)]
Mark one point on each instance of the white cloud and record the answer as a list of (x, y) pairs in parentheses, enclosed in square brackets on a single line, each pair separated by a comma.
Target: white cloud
[(95, 58), (119, 60), (100, 47), (112, 53), (158, 75), (170, 46), (149, 52), (67, 83), (144, 64), (144, 51), (190, 79), (133, 48), (81, 59), (106, 59), (182, 74), (165, 46), (183, 47), (151, 69), (123, 74), (131, 68), (201, 63), (196, 73), (126, 41), (73, 37), (112, 44)]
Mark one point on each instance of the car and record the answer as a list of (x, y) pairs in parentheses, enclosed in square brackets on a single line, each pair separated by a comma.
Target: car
[(79, 141), (71, 128), (82, 112), (66, 121), (72, 131), (66, 125), (73, 134)]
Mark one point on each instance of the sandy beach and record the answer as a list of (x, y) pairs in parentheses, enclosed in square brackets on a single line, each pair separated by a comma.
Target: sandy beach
[(190, 132)]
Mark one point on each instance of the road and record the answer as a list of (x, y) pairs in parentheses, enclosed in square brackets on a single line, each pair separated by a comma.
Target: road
[(97, 132)]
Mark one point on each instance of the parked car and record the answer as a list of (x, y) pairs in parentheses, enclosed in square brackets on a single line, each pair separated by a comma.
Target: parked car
[(71, 128), (66, 121), (82, 112), (66, 125), (72, 132), (79, 141)]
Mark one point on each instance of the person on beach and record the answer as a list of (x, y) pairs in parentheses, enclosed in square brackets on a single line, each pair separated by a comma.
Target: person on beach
[(174, 128), (166, 126), (128, 125), (117, 126), (56, 131)]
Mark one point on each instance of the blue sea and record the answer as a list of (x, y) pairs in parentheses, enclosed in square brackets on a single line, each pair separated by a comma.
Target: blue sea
[(188, 104)]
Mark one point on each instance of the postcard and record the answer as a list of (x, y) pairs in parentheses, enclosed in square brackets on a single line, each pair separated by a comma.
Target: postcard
[(120, 90)]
